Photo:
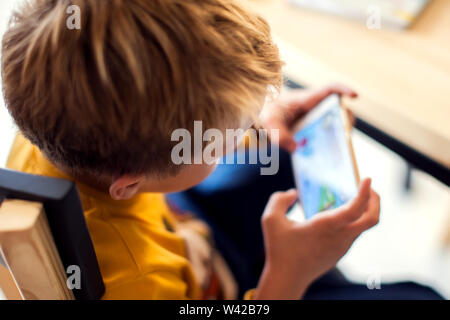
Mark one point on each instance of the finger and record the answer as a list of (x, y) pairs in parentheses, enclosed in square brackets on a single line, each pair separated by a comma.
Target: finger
[(341, 90), (354, 209), (316, 97), (279, 203), (371, 216), (285, 137)]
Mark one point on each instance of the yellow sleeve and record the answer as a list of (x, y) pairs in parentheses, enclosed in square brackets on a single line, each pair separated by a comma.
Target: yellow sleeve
[(153, 286)]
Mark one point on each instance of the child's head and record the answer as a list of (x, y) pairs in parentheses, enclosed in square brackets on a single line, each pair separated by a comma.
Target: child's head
[(102, 100)]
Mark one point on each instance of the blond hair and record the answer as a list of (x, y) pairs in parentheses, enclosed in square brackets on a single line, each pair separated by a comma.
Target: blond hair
[(105, 98)]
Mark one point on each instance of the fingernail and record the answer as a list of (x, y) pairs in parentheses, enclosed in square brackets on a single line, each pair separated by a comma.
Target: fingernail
[(365, 180)]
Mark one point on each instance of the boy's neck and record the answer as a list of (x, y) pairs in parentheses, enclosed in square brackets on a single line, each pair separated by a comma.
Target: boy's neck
[(97, 182)]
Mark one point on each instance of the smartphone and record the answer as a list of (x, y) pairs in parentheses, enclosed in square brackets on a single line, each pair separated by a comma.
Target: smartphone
[(324, 163)]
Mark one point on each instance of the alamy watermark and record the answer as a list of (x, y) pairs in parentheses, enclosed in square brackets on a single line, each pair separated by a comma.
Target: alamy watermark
[(373, 281), (373, 21), (73, 277), (208, 147), (73, 22)]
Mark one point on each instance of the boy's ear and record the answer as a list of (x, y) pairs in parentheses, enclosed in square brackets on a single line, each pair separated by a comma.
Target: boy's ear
[(125, 187)]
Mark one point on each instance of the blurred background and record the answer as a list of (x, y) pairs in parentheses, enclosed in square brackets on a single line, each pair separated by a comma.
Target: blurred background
[(396, 55), (398, 59)]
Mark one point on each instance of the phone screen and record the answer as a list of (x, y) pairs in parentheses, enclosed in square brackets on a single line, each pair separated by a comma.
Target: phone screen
[(322, 162)]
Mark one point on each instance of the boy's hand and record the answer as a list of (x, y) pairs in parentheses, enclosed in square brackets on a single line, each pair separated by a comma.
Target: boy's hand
[(283, 113), (299, 253)]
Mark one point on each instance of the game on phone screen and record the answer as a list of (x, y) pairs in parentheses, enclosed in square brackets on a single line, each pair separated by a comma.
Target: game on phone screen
[(323, 163)]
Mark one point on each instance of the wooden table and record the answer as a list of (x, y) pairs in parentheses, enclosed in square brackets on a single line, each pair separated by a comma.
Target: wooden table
[(403, 77)]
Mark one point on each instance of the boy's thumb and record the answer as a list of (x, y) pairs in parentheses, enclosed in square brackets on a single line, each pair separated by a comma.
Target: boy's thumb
[(284, 137), (280, 202), (287, 141)]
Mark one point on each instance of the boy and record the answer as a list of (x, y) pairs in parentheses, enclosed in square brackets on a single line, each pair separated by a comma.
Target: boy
[(99, 104)]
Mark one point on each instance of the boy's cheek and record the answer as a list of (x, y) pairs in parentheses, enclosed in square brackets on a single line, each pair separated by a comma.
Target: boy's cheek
[(194, 174)]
